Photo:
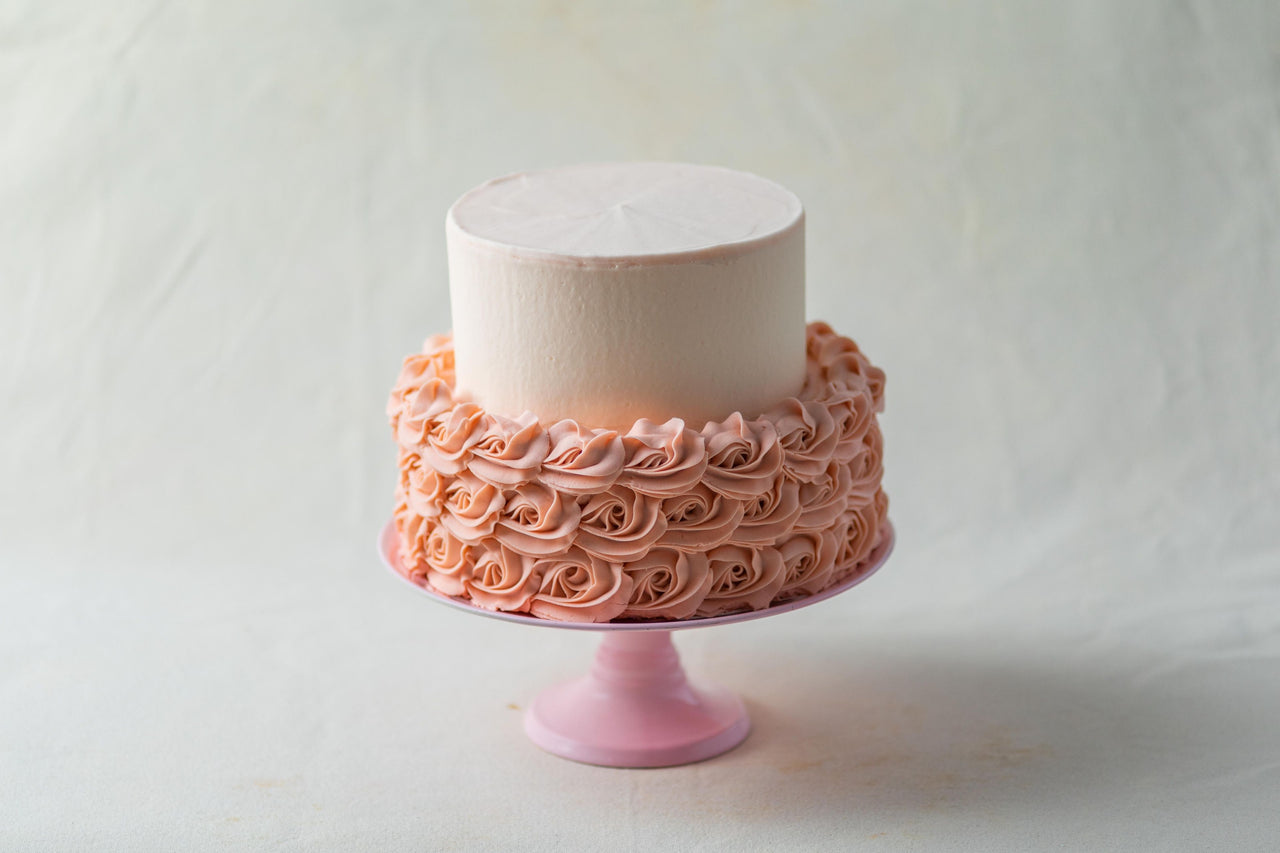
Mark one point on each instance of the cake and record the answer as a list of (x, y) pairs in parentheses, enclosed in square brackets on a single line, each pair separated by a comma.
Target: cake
[(630, 419)]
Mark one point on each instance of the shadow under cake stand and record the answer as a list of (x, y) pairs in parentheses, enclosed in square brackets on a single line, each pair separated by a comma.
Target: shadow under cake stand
[(635, 707)]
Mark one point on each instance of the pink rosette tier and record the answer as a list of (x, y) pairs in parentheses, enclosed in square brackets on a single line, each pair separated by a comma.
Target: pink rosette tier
[(660, 522)]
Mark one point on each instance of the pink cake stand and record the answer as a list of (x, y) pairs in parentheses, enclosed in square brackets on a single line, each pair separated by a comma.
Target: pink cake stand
[(635, 707)]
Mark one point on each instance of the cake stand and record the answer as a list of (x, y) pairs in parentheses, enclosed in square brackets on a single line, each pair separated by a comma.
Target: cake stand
[(635, 707)]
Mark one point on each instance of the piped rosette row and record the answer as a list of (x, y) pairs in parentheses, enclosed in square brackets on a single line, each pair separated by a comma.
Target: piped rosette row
[(662, 521)]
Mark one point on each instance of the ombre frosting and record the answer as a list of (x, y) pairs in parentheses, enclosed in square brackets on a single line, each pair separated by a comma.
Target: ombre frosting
[(666, 521)]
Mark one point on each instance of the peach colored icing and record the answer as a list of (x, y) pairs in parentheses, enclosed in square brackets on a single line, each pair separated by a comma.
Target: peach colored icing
[(663, 521)]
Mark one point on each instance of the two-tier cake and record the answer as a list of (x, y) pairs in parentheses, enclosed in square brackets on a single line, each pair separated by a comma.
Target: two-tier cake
[(630, 419)]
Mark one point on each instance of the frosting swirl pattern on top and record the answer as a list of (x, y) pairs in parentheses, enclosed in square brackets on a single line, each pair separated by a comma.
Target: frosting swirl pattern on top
[(664, 521)]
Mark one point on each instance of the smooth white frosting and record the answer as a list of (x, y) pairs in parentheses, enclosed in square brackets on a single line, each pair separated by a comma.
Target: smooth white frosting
[(606, 293)]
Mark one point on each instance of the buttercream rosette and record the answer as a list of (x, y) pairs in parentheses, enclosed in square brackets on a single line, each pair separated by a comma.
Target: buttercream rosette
[(663, 521)]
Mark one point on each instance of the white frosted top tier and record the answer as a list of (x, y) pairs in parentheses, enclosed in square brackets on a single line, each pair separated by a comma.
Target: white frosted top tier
[(611, 292)]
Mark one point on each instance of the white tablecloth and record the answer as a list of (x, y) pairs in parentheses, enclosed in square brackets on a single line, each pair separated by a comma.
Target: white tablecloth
[(1056, 228)]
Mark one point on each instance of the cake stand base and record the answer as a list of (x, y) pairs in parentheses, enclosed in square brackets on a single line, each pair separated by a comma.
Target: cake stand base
[(635, 708)]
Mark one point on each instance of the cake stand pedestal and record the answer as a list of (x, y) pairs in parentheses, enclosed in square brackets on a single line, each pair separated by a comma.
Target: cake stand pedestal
[(635, 707)]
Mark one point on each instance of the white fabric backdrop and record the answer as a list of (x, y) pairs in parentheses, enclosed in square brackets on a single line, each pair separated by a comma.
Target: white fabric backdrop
[(1056, 228)]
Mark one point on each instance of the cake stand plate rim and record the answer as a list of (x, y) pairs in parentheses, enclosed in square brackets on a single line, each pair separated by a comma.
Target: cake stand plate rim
[(390, 559)]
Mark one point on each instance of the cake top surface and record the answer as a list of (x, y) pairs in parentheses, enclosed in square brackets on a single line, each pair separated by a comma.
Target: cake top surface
[(642, 213)]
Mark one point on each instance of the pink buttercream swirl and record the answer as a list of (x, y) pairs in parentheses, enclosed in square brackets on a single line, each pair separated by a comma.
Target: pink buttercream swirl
[(858, 534), (620, 524), (662, 459), (824, 498), (770, 516), (668, 584), (579, 587), (412, 531), (809, 560), (742, 578), (662, 521), (434, 362), (581, 460), (471, 507), (502, 580), (450, 561), (743, 457), (867, 467), (833, 358), (853, 415), (537, 521), (700, 519), (424, 487), (509, 452), (419, 409), (450, 437), (808, 436)]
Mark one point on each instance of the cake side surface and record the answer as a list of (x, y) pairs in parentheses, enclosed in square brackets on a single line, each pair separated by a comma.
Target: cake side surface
[(577, 523), (630, 418), (611, 292)]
